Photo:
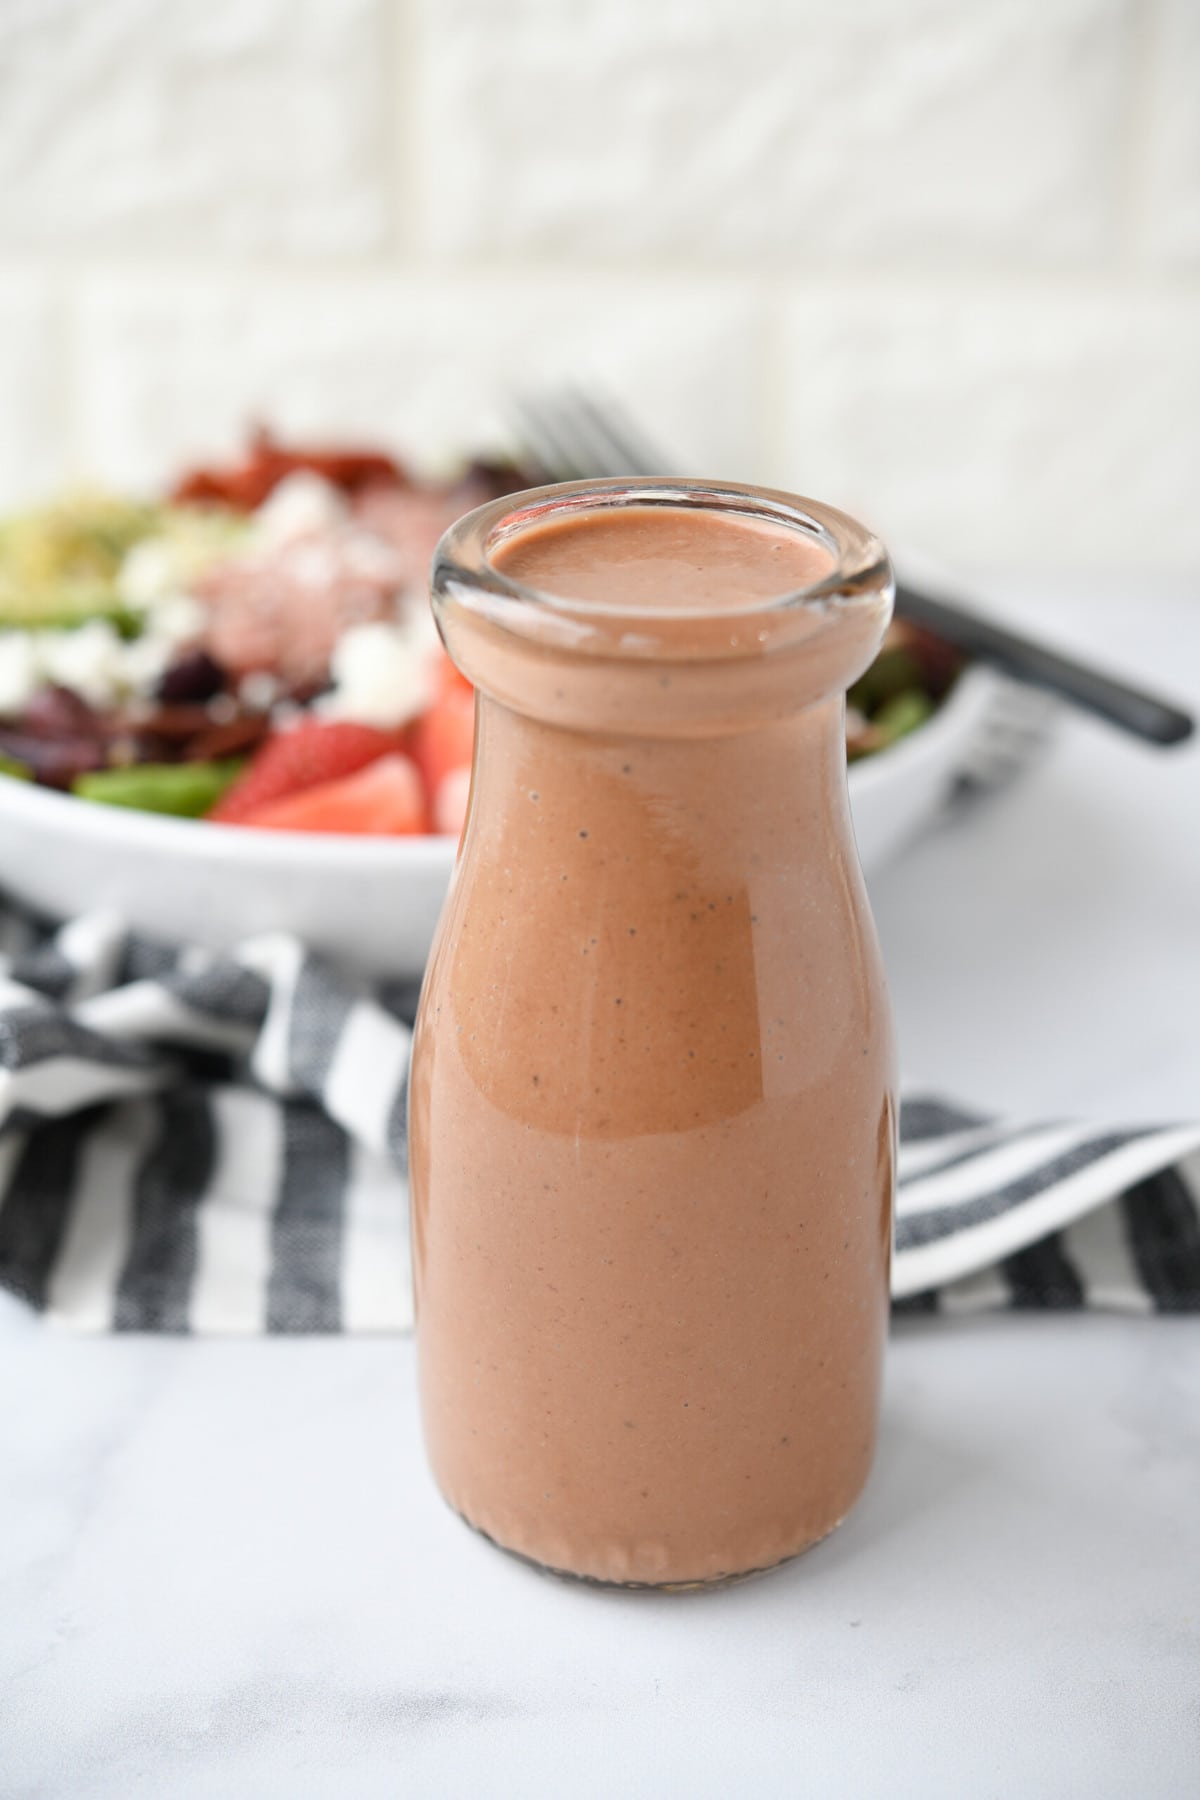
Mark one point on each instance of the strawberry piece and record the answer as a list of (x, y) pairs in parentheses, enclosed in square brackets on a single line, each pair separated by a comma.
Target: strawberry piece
[(450, 802), (444, 739), (450, 677), (385, 799), (311, 753)]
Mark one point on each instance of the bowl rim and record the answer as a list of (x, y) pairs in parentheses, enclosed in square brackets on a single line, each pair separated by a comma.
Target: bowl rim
[(227, 844), (966, 703)]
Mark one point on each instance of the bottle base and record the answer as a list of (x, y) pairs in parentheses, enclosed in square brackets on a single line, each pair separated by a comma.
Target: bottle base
[(702, 1585)]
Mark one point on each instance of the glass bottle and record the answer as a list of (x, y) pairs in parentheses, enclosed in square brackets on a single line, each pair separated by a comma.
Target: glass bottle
[(652, 1118)]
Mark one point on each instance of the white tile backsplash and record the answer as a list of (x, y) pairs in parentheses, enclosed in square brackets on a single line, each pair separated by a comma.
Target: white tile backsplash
[(939, 261), (170, 366), (33, 382), (1172, 104), (197, 126), (1052, 425), (788, 131)]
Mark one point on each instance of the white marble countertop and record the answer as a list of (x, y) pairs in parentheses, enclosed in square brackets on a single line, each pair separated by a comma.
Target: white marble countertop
[(224, 1571)]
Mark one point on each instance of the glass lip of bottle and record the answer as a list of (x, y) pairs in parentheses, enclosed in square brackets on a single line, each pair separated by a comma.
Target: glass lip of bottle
[(859, 579)]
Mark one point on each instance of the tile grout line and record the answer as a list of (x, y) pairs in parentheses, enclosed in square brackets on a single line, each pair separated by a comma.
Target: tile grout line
[(166, 269)]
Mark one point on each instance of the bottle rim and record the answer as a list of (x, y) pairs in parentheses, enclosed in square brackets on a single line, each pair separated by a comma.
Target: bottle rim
[(859, 577)]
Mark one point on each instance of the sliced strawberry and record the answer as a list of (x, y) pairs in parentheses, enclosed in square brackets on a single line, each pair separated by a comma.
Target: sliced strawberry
[(445, 738), (309, 754), (451, 677), (450, 802), (385, 799)]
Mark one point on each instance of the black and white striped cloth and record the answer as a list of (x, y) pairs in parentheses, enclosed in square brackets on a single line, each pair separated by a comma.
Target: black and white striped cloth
[(191, 1143)]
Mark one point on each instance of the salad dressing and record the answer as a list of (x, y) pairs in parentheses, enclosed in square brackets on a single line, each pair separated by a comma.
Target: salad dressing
[(652, 1103)]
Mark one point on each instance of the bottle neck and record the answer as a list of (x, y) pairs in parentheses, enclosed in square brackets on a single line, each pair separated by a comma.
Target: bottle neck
[(718, 691), (771, 792)]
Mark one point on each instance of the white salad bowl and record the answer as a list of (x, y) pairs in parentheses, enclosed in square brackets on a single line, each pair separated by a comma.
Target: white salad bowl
[(371, 902)]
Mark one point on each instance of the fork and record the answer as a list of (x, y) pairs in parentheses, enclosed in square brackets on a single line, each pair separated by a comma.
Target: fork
[(570, 436)]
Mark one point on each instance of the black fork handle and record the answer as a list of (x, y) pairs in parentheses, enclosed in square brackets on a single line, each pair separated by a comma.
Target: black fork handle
[(1144, 715)]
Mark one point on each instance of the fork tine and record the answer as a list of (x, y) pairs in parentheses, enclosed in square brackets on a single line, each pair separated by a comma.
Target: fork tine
[(585, 424), (572, 436), (610, 426), (590, 450), (542, 439)]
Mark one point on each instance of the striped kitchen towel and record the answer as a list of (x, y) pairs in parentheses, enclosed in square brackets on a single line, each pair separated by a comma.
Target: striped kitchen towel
[(194, 1143)]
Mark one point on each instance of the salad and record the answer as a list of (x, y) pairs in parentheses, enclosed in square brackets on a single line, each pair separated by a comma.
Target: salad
[(257, 648)]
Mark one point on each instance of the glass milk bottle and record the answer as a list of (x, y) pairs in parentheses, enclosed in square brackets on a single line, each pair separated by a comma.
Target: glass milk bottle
[(653, 1105)]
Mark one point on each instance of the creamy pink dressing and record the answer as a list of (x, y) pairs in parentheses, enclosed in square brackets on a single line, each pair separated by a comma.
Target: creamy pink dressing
[(664, 558), (652, 1113)]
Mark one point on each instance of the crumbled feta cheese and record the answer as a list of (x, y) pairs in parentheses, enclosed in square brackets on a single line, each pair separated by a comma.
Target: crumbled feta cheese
[(20, 670), (302, 503), (87, 660), (142, 664), (177, 619), (149, 572), (382, 676), (93, 660), (259, 691)]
